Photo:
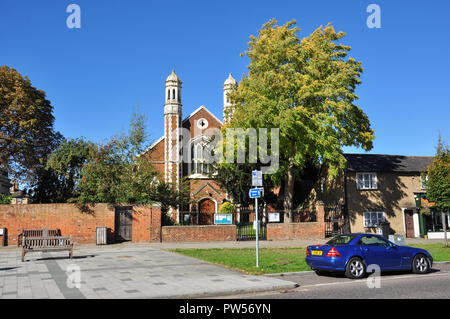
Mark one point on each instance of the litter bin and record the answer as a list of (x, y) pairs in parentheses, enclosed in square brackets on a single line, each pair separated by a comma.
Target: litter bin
[(383, 229), (3, 236), (102, 238)]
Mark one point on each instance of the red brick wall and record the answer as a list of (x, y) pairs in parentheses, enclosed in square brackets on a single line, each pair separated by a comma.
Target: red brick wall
[(198, 233), (288, 231), (73, 222)]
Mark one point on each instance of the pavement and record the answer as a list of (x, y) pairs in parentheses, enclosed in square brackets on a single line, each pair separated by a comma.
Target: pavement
[(121, 272), (130, 270)]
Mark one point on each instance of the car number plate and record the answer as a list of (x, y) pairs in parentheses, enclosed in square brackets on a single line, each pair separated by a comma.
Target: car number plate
[(316, 252)]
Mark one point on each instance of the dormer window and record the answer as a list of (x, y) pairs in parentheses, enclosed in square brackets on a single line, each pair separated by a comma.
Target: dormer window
[(366, 181)]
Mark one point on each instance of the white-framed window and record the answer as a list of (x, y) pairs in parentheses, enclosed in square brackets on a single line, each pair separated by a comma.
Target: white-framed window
[(366, 181), (371, 219), (422, 180)]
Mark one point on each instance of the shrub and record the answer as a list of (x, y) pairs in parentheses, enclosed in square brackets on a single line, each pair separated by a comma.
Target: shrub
[(226, 208)]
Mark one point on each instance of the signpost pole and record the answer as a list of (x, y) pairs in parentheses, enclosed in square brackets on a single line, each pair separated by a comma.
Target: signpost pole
[(257, 233), (257, 181)]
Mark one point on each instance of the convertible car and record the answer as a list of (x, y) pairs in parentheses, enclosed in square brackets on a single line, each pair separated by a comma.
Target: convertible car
[(353, 253)]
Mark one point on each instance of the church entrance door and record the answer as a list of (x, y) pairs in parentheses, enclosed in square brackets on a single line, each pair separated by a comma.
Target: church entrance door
[(207, 208)]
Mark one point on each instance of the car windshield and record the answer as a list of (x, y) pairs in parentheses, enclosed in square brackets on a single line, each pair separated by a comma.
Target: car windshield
[(341, 240)]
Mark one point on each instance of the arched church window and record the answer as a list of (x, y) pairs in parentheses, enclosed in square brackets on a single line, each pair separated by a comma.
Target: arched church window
[(199, 163), (173, 94)]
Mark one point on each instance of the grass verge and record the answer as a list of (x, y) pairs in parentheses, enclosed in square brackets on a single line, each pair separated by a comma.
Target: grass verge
[(277, 260)]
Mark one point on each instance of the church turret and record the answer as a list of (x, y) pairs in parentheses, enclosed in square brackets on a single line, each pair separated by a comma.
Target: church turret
[(229, 85), (172, 124)]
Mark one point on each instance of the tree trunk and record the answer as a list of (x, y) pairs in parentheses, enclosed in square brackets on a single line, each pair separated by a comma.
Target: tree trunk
[(289, 195)]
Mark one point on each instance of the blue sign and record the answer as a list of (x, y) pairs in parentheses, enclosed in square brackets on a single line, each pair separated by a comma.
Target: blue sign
[(255, 193), (223, 219)]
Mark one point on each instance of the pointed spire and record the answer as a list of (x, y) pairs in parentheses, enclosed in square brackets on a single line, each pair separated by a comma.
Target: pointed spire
[(230, 80), (173, 77)]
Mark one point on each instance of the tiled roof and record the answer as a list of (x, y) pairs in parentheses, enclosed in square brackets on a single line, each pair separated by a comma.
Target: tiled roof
[(387, 163)]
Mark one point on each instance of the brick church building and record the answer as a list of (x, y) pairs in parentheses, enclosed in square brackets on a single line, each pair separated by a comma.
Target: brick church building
[(180, 153)]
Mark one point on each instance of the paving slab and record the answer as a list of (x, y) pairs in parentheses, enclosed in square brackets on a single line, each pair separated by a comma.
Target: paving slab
[(131, 271)]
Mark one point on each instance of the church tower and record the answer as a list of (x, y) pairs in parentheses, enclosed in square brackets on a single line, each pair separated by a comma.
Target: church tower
[(172, 125), (229, 85)]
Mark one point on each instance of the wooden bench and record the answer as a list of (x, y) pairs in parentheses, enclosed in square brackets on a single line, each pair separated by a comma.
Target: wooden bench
[(44, 232), (47, 244)]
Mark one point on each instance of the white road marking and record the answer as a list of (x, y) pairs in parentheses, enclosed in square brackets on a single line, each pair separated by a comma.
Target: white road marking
[(382, 279)]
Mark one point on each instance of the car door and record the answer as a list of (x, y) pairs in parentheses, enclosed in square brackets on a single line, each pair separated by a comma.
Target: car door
[(376, 250)]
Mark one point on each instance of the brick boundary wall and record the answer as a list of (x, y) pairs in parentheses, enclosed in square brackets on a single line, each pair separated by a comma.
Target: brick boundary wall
[(146, 221), (199, 233), (289, 231)]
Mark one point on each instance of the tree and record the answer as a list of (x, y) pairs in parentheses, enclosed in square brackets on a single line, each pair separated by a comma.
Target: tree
[(27, 134), (437, 182), (306, 88), (58, 180), (114, 172), (5, 199), (168, 196)]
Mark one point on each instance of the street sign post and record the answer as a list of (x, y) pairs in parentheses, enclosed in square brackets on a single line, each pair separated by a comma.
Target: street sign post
[(257, 180)]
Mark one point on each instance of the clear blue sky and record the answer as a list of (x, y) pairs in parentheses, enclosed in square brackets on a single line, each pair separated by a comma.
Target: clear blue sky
[(96, 75)]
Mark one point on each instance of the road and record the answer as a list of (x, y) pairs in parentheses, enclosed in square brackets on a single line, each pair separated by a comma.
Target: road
[(433, 285)]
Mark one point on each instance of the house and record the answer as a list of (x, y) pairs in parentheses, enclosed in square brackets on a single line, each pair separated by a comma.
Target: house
[(5, 183), (19, 197), (375, 188), (181, 152)]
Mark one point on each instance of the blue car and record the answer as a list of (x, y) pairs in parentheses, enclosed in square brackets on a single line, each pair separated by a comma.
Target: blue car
[(353, 253)]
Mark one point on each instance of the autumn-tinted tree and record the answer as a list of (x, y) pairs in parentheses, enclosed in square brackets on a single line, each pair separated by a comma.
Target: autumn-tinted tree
[(27, 134), (306, 88), (437, 182)]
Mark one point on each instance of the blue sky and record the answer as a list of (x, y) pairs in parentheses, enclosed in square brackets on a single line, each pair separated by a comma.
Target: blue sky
[(95, 76)]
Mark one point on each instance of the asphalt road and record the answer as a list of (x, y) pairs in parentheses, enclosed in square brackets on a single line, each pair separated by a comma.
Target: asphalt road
[(435, 284)]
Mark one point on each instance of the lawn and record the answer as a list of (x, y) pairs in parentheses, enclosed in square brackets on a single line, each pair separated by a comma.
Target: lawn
[(438, 251), (277, 260), (271, 260)]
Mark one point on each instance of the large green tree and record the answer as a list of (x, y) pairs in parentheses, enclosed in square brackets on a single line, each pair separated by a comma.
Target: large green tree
[(58, 180), (437, 182), (306, 88), (27, 133), (115, 173)]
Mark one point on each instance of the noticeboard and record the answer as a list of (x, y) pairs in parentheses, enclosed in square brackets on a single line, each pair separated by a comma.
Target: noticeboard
[(223, 219)]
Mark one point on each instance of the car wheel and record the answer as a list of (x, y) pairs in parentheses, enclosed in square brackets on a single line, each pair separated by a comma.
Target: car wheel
[(420, 264), (356, 268)]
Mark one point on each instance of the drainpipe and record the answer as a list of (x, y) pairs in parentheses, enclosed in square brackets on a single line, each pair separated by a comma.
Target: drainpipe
[(346, 217)]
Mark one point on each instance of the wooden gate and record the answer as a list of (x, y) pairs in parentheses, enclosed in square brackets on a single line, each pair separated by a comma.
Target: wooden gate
[(123, 223)]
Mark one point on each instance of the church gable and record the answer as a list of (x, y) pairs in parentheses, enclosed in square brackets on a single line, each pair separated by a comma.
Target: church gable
[(200, 120)]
